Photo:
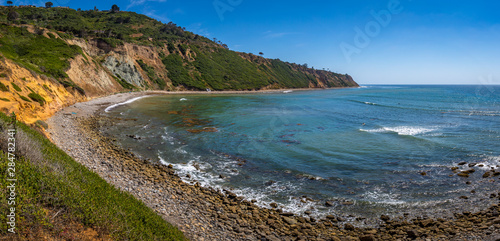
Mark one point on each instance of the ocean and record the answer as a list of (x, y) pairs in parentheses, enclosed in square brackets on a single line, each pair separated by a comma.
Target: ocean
[(366, 151)]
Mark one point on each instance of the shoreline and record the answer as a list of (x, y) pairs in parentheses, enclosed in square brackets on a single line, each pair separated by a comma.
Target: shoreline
[(206, 214)]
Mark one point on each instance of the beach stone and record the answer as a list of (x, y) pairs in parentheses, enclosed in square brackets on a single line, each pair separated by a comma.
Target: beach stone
[(290, 221), (273, 205), (328, 204), (287, 214), (367, 238), (462, 163), (472, 164), (412, 233), (385, 218), (486, 174), (349, 227)]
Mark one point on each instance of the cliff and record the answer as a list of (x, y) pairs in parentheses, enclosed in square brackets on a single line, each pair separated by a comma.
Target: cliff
[(51, 58)]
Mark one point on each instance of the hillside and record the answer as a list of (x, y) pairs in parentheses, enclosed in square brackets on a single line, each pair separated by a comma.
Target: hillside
[(54, 57)]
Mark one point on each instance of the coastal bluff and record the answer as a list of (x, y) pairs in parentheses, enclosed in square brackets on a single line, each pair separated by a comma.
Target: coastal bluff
[(47, 65)]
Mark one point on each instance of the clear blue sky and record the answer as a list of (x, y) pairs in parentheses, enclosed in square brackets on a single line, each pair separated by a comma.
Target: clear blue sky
[(412, 42)]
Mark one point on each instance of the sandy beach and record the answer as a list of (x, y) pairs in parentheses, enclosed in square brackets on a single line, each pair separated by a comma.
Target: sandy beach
[(206, 214)]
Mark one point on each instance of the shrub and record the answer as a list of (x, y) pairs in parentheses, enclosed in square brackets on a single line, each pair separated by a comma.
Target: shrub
[(16, 87), (3, 87), (5, 99), (42, 124), (24, 98), (38, 98)]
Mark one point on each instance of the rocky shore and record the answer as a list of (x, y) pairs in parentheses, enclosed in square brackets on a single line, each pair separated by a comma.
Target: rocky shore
[(206, 214)]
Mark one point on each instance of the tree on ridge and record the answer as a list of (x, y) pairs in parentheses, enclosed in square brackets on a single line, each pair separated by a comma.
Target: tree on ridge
[(115, 8)]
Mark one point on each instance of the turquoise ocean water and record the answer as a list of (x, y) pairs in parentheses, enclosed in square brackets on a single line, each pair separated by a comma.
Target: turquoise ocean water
[(363, 149)]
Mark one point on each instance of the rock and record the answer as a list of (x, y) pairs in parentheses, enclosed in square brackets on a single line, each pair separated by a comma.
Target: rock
[(367, 238), (463, 174), (287, 214), (274, 205), (472, 164), (464, 197), (462, 163), (413, 234), (348, 227), (454, 169), (486, 174), (328, 204), (290, 221), (385, 218), (348, 203), (423, 173)]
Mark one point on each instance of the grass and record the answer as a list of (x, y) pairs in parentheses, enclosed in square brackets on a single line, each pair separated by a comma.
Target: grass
[(150, 72), (43, 55), (16, 87), (38, 98), (51, 180), (24, 98), (3, 87)]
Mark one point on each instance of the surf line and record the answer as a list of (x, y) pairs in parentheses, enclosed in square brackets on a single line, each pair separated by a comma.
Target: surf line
[(123, 103)]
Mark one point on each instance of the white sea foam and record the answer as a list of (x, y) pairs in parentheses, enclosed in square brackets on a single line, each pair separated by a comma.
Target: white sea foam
[(183, 99), (370, 103), (123, 103), (402, 130), (379, 196)]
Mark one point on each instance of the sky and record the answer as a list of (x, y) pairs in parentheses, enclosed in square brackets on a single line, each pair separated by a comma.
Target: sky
[(376, 42)]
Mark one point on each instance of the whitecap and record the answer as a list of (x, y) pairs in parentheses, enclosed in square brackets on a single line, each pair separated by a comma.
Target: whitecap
[(183, 99), (402, 130)]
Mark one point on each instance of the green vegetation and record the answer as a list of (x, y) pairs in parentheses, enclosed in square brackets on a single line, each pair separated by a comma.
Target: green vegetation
[(5, 99), (47, 88), (36, 52), (36, 97), (124, 83), (16, 87), (210, 65), (24, 98), (42, 124), (178, 73), (3, 75), (150, 72), (98, 24), (56, 191), (3, 87)]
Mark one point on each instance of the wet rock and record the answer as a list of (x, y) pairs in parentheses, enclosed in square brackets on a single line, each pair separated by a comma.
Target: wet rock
[(462, 163), (464, 197), (385, 218), (472, 164), (348, 203), (486, 174), (423, 173), (287, 214), (274, 205), (328, 204)]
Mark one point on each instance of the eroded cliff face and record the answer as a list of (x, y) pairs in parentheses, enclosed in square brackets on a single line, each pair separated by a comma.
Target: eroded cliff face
[(21, 82), (102, 70)]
